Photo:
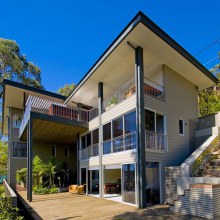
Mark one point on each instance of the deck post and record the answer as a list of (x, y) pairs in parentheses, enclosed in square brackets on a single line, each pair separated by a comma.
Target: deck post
[(100, 109), (140, 118), (30, 157), (78, 159)]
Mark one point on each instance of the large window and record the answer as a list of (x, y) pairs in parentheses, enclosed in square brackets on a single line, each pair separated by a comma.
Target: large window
[(19, 149), (16, 121), (155, 130), (107, 134), (130, 128), (118, 131), (95, 136)]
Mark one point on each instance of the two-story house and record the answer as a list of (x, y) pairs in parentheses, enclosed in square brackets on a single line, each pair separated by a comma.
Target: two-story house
[(134, 113)]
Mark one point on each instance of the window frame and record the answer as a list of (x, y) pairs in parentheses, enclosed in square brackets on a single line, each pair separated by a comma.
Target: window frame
[(18, 157), (183, 127), (55, 150)]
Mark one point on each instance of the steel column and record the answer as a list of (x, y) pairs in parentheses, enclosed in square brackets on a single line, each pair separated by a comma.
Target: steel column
[(140, 118)]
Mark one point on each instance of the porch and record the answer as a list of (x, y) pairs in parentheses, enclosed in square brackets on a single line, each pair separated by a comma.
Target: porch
[(69, 206)]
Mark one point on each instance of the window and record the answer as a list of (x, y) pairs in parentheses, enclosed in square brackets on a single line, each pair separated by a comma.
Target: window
[(107, 135), (53, 150), (117, 125), (16, 121), (83, 142), (181, 127), (95, 136), (19, 149), (66, 151)]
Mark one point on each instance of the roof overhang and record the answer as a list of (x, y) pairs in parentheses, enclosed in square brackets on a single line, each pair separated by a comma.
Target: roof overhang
[(116, 65), (13, 96)]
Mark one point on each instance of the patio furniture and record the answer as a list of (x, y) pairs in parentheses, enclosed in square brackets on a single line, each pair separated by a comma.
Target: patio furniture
[(75, 189)]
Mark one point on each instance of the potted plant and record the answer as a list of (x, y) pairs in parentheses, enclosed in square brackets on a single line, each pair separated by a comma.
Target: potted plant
[(111, 103)]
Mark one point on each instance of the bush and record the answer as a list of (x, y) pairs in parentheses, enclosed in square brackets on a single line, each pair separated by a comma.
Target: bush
[(22, 176), (6, 210), (2, 190), (40, 190)]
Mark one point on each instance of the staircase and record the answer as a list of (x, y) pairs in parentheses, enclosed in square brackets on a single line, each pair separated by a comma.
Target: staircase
[(201, 200), (212, 168)]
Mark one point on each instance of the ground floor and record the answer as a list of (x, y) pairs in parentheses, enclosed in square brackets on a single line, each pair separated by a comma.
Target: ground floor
[(120, 182), (69, 206)]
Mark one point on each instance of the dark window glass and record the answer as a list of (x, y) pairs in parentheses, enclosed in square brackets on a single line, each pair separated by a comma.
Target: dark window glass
[(19, 149), (88, 137), (53, 150), (83, 142), (149, 120), (107, 131), (160, 123), (117, 127), (181, 127), (66, 151), (95, 136), (130, 122)]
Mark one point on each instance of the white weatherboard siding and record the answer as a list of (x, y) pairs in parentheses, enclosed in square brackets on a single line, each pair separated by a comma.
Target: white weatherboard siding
[(180, 103)]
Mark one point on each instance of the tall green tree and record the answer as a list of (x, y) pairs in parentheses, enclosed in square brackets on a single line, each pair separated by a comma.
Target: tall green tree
[(16, 67), (209, 99), (3, 157), (66, 90)]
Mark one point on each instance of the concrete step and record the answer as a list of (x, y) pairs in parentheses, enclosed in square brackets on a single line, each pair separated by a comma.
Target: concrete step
[(213, 172)]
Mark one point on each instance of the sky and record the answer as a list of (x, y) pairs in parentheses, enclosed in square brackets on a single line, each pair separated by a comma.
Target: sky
[(65, 38)]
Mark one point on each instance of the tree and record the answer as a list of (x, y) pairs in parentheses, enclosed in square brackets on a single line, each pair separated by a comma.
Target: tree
[(209, 99), (3, 157), (66, 90), (15, 66)]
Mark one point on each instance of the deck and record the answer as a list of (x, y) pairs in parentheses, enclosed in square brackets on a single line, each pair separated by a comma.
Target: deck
[(66, 206)]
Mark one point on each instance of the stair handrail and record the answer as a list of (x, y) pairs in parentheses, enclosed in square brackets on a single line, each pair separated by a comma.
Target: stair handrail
[(199, 158), (205, 156)]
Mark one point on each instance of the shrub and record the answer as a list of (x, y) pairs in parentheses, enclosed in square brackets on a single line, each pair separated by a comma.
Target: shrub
[(40, 190), (54, 190), (22, 176), (7, 212), (2, 190)]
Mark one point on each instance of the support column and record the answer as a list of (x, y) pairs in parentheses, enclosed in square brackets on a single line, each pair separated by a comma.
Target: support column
[(30, 157), (100, 109), (140, 118), (87, 181), (78, 160)]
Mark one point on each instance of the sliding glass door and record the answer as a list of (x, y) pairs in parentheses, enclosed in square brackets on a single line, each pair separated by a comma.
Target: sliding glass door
[(128, 183)]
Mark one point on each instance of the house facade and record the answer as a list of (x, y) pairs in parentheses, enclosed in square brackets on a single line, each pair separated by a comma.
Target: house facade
[(134, 113)]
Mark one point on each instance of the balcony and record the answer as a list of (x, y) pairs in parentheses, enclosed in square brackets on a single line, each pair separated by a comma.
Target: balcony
[(48, 107), (115, 145), (155, 141)]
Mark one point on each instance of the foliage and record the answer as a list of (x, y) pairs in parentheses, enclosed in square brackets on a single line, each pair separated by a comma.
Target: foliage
[(3, 157), (209, 99), (2, 190), (40, 190), (113, 100), (208, 102), (22, 176), (66, 90), (15, 66), (39, 170), (7, 212)]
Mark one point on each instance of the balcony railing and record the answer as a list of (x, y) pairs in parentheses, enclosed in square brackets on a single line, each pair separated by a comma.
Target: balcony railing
[(118, 144), (124, 92), (50, 108), (155, 140)]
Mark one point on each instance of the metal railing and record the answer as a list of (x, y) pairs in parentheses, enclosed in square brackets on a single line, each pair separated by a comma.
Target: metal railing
[(155, 140), (76, 113), (124, 92), (93, 113), (118, 144), (153, 89), (10, 194)]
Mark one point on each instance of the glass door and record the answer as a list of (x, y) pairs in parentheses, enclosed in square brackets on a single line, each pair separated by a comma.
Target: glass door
[(128, 183)]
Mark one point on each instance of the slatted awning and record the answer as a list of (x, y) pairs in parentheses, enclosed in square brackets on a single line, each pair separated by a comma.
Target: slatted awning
[(41, 103)]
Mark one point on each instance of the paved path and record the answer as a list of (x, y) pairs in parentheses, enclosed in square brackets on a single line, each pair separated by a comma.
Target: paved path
[(66, 206)]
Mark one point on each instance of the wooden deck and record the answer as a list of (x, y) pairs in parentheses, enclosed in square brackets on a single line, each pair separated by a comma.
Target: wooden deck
[(66, 206)]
